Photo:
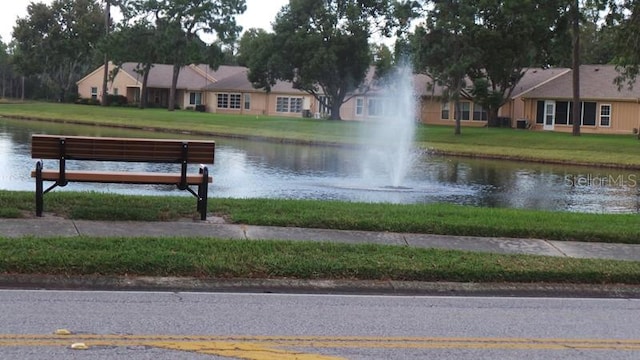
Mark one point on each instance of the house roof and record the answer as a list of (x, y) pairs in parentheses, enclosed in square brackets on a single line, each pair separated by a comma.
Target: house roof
[(161, 75), (596, 82), (239, 82), (535, 77)]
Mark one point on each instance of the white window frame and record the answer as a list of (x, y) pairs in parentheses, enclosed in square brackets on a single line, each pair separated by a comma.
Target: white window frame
[(285, 104), (94, 93), (605, 116), (222, 101), (235, 101), (195, 98), (359, 106), (247, 101), (375, 107), (445, 107)]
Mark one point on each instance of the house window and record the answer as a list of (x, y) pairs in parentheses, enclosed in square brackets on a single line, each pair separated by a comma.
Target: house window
[(375, 107), (285, 104), (562, 112), (324, 108), (605, 115), (229, 101), (359, 106), (282, 104), (195, 98), (247, 101), (444, 111), (223, 101), (235, 101), (115, 92), (479, 113), (465, 110), (589, 114), (94, 93)]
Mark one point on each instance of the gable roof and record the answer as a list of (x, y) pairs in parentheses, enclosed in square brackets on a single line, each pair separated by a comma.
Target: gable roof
[(534, 78), (161, 75), (596, 82), (239, 82)]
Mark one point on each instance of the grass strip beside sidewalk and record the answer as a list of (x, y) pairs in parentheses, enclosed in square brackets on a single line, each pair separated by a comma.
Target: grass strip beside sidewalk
[(442, 219), (216, 258)]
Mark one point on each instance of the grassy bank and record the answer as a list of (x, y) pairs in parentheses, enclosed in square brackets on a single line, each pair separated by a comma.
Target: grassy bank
[(280, 259), (604, 150), (414, 218)]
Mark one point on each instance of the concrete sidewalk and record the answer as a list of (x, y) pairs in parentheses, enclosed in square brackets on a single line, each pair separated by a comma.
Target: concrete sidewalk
[(52, 226)]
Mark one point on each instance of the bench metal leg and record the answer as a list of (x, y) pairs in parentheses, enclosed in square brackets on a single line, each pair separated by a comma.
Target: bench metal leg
[(203, 193), (39, 189)]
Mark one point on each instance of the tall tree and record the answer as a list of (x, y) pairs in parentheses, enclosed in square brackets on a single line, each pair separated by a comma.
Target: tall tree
[(322, 47), (444, 50), (137, 43), (107, 28), (184, 21), (626, 18), (5, 68), (58, 43)]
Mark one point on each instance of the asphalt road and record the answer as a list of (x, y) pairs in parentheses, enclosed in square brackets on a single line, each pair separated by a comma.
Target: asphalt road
[(154, 325)]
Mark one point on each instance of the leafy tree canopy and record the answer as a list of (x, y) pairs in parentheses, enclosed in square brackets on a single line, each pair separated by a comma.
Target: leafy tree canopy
[(322, 47), (58, 43)]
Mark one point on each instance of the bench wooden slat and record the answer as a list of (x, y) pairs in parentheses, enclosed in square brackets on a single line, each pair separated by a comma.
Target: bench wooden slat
[(117, 149), (121, 177)]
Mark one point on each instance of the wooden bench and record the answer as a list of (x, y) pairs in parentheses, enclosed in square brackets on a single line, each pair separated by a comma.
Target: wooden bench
[(182, 152)]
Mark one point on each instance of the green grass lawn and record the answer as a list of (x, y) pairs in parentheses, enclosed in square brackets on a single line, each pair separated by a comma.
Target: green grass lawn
[(414, 218), (588, 149), (216, 258)]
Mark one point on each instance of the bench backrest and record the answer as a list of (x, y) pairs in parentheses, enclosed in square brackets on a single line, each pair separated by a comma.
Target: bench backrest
[(122, 149)]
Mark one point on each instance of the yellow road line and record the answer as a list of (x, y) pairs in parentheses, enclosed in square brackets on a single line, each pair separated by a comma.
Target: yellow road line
[(274, 347)]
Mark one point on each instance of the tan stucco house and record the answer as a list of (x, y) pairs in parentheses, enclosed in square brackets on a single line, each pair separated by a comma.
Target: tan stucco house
[(540, 101), (224, 90), (604, 107)]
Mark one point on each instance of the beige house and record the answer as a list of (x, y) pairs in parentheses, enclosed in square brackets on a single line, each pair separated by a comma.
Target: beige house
[(224, 90), (540, 101), (604, 107)]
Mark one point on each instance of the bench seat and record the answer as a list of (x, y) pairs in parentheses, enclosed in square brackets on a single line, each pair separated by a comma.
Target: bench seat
[(122, 177), (177, 153)]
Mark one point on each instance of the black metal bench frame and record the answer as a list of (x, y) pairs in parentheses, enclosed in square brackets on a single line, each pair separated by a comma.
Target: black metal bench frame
[(122, 150)]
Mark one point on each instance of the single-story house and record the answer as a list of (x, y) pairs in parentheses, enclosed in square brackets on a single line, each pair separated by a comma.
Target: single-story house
[(224, 90), (605, 108), (540, 101)]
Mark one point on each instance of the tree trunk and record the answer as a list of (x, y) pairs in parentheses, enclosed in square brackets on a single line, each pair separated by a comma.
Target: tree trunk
[(105, 78), (335, 110), (144, 98), (458, 116), (576, 70), (174, 85)]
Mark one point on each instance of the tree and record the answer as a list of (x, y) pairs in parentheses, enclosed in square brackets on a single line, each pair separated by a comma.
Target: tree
[(183, 21), (627, 42), (135, 43), (443, 49), (5, 68), (322, 47), (507, 35), (58, 43)]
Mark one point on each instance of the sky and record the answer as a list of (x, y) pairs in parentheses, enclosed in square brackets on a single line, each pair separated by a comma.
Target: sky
[(259, 14)]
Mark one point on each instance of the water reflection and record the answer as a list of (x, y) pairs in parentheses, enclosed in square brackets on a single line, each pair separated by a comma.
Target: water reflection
[(246, 169)]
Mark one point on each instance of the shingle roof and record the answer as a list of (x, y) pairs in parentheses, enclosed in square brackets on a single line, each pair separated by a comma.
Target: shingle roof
[(535, 77), (239, 82), (596, 82), (192, 78)]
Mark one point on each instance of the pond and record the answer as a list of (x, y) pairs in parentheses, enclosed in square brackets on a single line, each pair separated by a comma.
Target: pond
[(253, 169)]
